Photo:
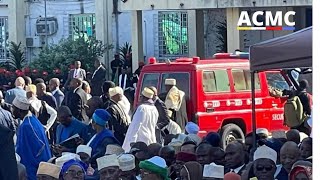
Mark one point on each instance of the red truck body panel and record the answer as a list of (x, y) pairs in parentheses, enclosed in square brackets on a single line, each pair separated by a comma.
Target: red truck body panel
[(212, 110)]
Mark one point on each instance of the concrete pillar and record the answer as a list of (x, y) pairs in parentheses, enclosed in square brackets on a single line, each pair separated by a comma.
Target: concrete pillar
[(104, 28), (233, 35), (196, 33), (16, 21), (137, 38)]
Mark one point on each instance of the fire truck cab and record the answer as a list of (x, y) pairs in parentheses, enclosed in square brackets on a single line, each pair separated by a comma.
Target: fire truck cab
[(218, 93)]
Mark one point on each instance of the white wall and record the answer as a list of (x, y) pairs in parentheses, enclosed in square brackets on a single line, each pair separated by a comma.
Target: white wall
[(148, 30), (60, 10), (4, 11), (205, 4)]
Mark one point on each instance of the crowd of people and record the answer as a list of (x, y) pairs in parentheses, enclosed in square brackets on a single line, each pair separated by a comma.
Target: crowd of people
[(88, 129)]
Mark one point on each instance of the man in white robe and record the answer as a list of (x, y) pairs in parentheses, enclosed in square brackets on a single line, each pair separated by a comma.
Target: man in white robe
[(144, 120)]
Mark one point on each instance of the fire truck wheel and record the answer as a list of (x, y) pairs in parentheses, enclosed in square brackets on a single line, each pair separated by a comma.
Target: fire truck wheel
[(229, 133)]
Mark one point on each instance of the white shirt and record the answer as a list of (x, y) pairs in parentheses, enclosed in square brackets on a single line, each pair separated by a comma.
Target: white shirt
[(36, 104), (91, 139), (123, 78), (76, 73), (126, 106), (279, 167), (142, 127), (173, 128), (237, 169)]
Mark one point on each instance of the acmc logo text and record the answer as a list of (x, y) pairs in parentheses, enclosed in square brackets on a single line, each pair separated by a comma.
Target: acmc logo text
[(271, 21)]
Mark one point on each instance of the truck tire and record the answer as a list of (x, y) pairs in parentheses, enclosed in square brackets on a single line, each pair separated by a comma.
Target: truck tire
[(229, 133)]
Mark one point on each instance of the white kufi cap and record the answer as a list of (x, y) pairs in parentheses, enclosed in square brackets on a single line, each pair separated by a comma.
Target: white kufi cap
[(213, 171), (21, 103), (170, 82), (148, 93), (264, 152), (127, 162), (114, 149), (114, 91), (84, 149), (262, 131), (66, 157), (107, 161), (49, 169)]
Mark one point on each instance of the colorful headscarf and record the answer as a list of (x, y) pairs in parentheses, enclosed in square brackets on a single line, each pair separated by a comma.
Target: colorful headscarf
[(300, 169)]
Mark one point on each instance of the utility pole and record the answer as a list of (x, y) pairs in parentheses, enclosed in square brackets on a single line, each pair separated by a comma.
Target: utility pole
[(116, 18), (46, 22)]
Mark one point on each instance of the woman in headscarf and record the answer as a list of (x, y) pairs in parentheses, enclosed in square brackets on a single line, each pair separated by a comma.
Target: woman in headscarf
[(191, 171), (301, 170), (73, 169)]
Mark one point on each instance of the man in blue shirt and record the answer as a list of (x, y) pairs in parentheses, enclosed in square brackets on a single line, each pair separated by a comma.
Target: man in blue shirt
[(68, 127), (17, 91)]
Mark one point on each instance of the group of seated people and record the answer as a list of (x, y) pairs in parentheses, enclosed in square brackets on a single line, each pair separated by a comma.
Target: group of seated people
[(279, 156), (92, 148)]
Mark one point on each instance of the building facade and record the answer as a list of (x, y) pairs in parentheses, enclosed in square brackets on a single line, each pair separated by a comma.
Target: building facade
[(164, 29), (203, 43)]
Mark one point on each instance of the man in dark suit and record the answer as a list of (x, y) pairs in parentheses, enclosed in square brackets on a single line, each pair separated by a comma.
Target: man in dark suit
[(54, 85), (76, 99), (76, 73), (235, 158), (7, 120), (163, 119), (116, 66), (119, 122), (98, 77)]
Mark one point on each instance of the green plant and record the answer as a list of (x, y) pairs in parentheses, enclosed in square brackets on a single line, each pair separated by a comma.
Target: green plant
[(16, 59), (125, 50), (222, 36), (63, 54)]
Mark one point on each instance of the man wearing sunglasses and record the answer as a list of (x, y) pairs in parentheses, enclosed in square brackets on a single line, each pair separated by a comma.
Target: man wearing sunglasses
[(264, 165)]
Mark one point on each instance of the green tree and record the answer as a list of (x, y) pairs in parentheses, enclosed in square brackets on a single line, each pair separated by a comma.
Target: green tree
[(17, 59), (63, 54), (222, 36), (125, 50)]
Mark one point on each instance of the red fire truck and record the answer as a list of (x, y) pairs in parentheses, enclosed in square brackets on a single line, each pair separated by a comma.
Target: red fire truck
[(218, 93)]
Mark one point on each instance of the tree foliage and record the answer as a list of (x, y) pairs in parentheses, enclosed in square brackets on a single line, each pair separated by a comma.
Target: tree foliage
[(17, 59), (125, 50), (222, 36), (63, 54)]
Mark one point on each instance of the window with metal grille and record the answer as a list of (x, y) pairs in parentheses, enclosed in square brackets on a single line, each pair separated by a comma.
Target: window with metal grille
[(82, 25), (4, 35), (172, 34)]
